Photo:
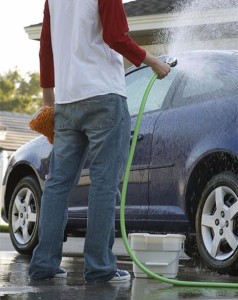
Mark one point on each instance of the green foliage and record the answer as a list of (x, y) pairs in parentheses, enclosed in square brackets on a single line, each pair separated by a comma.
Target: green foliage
[(20, 94), (4, 228)]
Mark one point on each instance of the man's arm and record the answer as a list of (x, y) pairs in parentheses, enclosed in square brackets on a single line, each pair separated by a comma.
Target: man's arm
[(46, 60), (115, 34)]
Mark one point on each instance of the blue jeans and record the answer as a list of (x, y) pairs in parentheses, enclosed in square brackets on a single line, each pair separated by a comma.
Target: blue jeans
[(97, 129)]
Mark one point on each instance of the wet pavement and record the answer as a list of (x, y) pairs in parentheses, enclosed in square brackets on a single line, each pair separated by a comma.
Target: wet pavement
[(15, 284)]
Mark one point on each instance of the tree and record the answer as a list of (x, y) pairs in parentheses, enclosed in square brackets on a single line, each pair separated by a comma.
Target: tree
[(20, 94)]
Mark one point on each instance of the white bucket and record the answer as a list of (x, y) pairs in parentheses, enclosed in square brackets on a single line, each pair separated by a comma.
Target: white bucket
[(159, 253)]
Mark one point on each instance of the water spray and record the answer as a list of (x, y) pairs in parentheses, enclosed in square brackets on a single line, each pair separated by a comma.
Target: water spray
[(172, 62)]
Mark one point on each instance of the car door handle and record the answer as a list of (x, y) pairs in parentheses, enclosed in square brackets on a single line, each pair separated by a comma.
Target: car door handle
[(139, 137)]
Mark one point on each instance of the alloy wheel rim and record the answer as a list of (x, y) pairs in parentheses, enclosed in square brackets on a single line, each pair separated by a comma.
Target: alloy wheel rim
[(24, 216), (219, 223)]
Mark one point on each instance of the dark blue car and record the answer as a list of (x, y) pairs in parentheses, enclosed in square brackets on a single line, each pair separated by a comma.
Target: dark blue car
[(184, 177)]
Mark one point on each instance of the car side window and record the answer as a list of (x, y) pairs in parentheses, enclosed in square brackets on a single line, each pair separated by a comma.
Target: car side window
[(136, 83), (197, 90)]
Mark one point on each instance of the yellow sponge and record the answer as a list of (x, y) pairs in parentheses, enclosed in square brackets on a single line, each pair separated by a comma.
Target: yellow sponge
[(43, 122)]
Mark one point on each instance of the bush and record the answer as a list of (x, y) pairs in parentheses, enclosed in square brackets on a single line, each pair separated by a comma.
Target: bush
[(4, 228)]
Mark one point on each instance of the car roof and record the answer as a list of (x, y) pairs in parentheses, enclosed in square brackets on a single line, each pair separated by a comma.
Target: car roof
[(189, 53)]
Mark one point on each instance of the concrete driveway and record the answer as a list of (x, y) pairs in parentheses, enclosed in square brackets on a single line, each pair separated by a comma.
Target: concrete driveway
[(14, 282)]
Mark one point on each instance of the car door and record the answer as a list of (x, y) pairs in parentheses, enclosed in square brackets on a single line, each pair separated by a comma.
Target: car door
[(137, 200), (181, 126), (189, 127)]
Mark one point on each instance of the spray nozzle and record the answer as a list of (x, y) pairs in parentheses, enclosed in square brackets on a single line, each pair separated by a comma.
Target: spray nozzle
[(171, 61)]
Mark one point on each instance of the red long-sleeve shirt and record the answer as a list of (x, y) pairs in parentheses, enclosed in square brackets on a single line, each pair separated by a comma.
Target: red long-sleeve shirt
[(115, 35)]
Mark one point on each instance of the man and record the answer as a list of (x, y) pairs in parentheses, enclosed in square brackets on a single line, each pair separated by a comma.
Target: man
[(81, 49)]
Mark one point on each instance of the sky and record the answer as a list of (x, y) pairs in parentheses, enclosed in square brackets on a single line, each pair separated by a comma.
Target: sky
[(17, 51)]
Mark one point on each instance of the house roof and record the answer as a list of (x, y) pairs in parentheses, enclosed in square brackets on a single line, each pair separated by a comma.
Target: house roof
[(17, 130), (141, 8), (145, 17), (152, 7), (148, 7)]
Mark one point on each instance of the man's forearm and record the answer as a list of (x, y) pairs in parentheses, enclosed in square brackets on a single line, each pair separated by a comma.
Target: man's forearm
[(48, 96)]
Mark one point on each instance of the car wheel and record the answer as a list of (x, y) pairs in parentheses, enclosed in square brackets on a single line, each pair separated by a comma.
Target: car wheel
[(24, 212), (217, 224)]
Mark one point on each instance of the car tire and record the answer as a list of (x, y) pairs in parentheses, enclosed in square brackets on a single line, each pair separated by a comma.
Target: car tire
[(217, 224), (24, 210), (190, 247)]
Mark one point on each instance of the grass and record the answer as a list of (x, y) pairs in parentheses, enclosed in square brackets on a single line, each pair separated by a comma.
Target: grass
[(4, 228)]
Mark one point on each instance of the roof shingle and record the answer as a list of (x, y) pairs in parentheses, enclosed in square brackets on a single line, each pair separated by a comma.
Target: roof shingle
[(148, 7), (151, 7)]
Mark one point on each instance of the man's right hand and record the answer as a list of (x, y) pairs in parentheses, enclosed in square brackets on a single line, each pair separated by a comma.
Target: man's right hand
[(158, 67)]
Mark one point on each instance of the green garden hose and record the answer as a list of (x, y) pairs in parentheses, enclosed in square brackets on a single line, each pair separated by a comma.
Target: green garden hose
[(122, 211)]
